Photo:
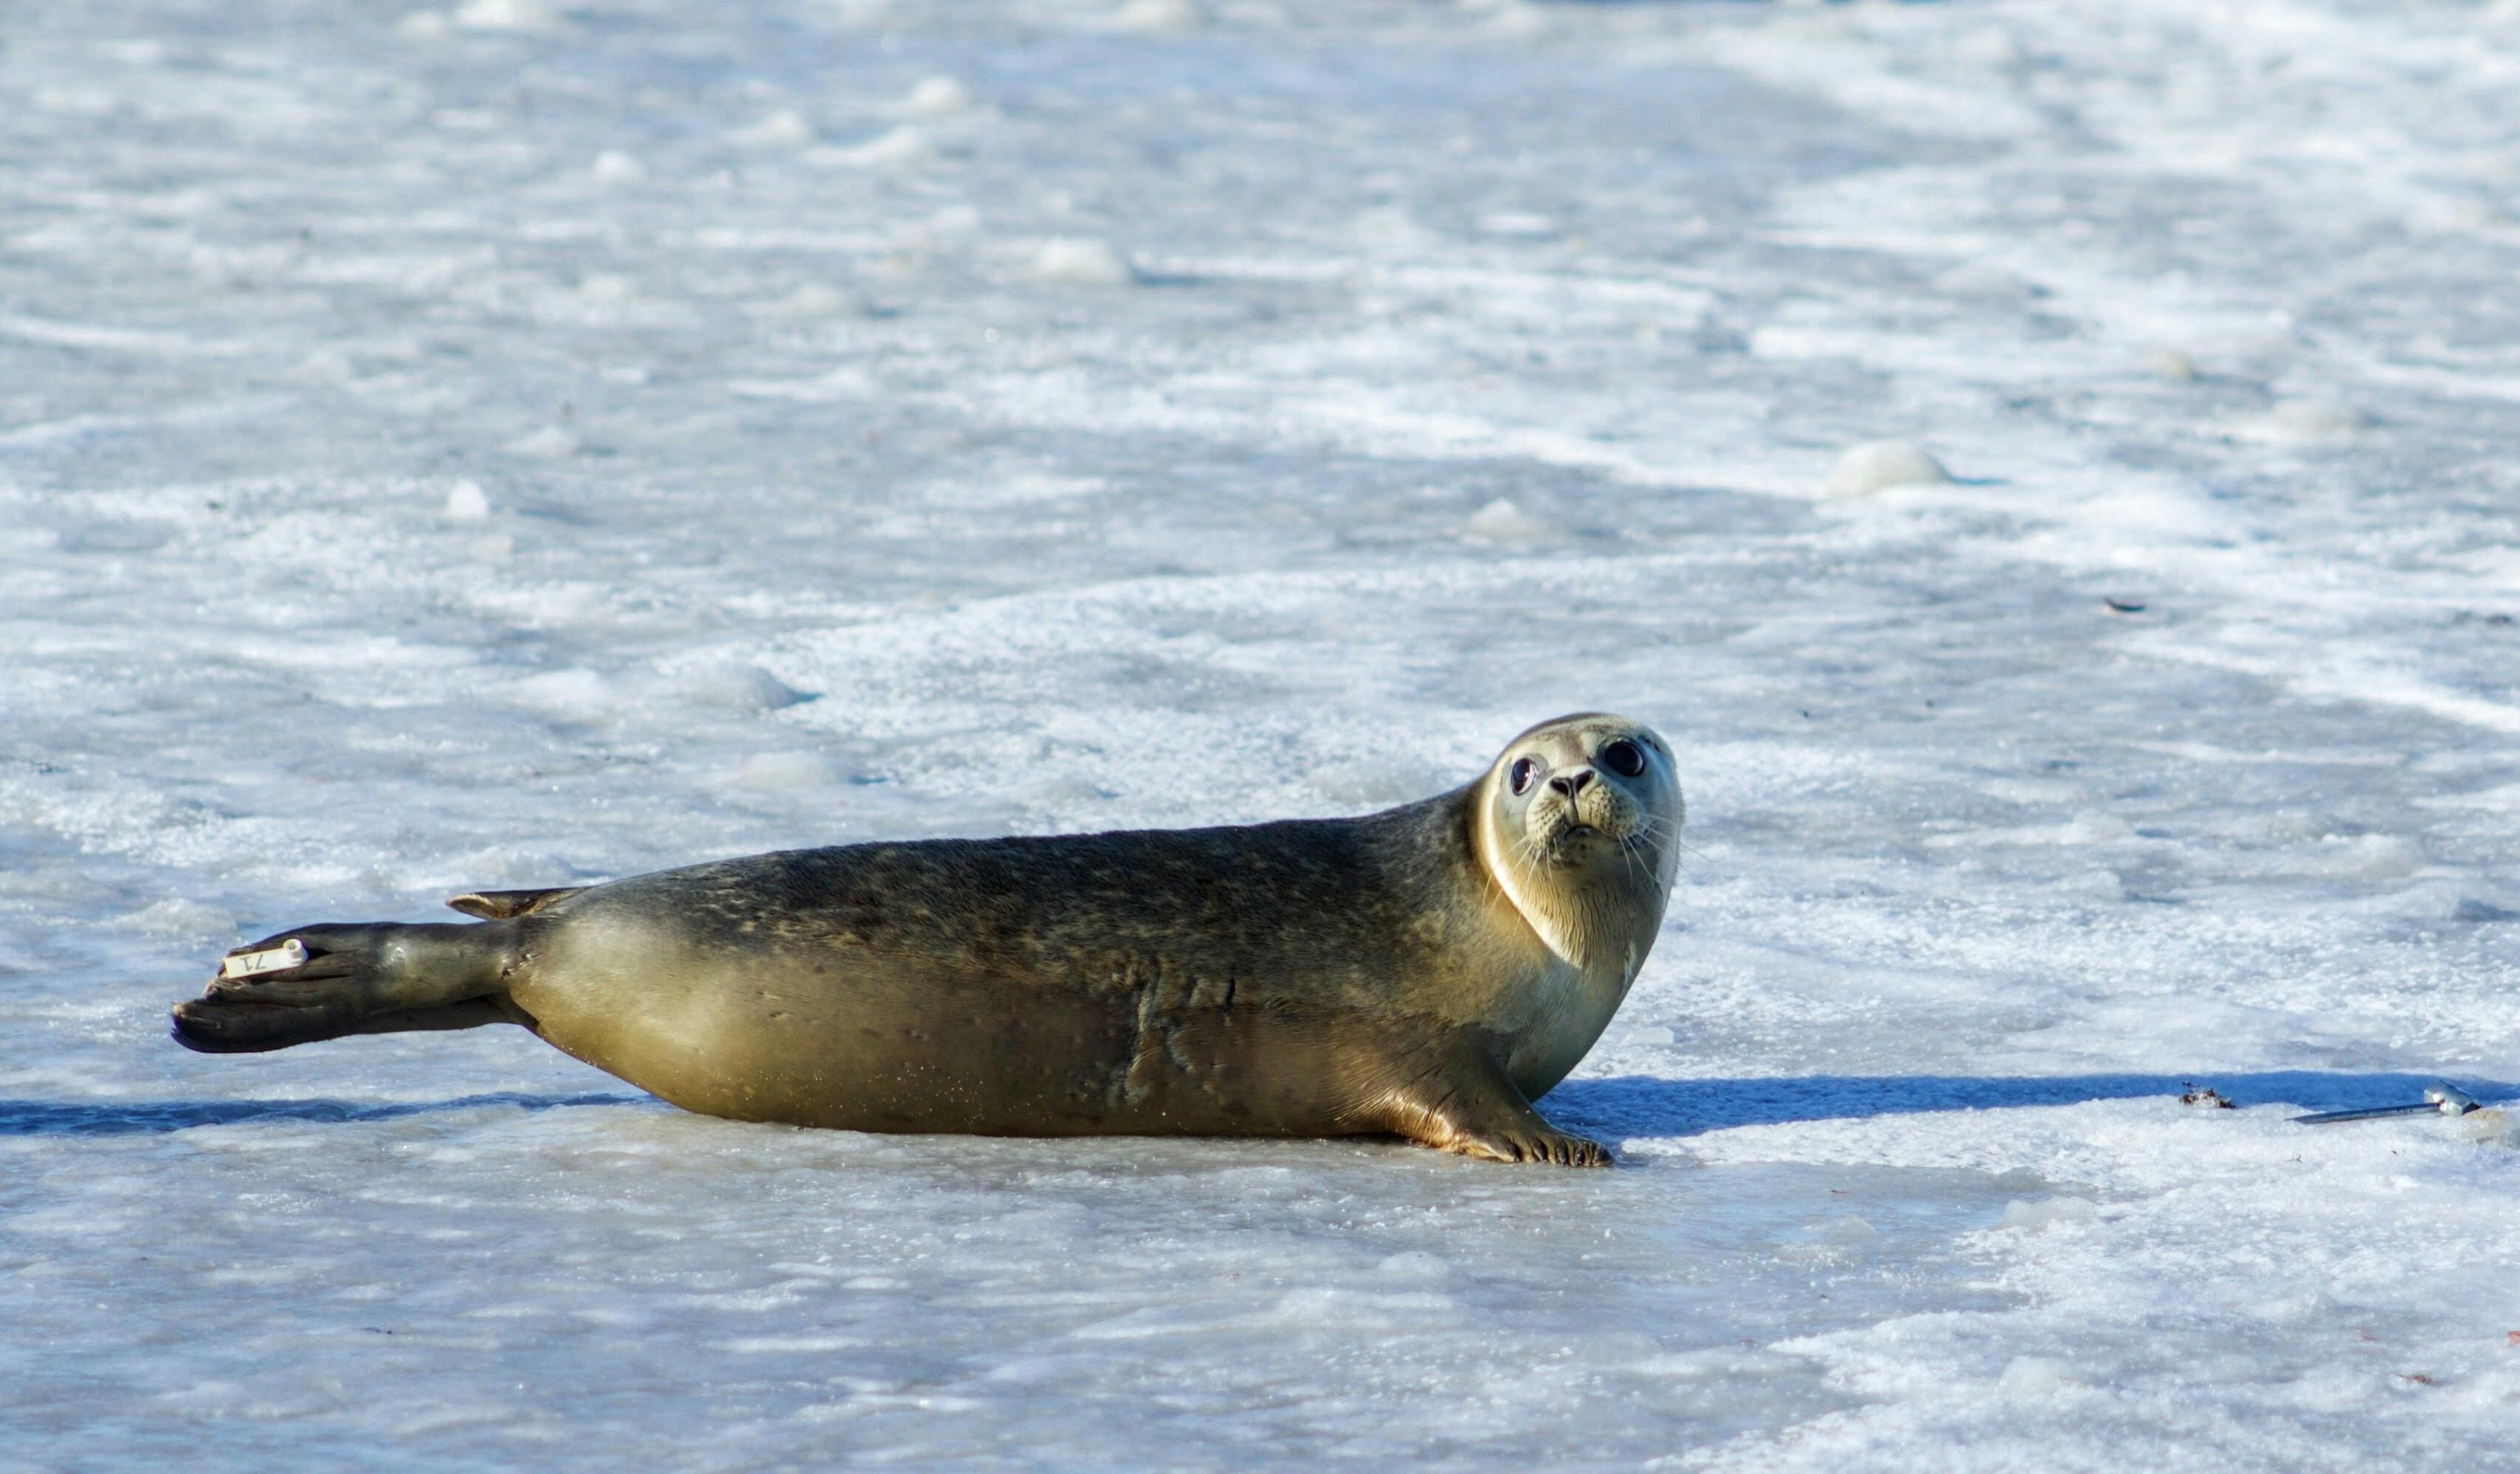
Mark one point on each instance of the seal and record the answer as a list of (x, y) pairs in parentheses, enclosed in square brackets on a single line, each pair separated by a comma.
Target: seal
[(1424, 972)]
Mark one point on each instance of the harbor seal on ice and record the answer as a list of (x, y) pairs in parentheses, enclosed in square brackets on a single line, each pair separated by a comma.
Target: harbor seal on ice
[(1425, 973)]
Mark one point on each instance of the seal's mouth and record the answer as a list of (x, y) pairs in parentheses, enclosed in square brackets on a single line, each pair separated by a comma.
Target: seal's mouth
[(1569, 840)]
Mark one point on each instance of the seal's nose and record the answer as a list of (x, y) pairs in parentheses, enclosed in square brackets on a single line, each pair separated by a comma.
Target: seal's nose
[(1571, 784)]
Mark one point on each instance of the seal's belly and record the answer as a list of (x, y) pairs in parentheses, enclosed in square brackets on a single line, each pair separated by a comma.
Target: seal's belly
[(832, 1036)]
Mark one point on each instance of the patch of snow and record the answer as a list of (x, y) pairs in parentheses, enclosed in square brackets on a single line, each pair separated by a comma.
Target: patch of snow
[(424, 27), (786, 128), (529, 17), (2307, 418), (819, 299), (784, 771), (736, 688), (2171, 364), (550, 442), (1879, 465), (613, 166), (895, 148), (1080, 261), (937, 97), (1160, 18), (1502, 521)]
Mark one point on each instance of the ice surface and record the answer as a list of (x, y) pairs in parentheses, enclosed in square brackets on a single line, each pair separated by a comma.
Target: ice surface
[(508, 445)]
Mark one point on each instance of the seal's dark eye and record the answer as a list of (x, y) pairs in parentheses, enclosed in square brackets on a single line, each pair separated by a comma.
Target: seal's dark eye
[(1520, 775), (1624, 758)]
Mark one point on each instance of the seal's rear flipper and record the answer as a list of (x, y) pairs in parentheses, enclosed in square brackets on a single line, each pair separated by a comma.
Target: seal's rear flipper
[(362, 979), (213, 1027), (499, 905)]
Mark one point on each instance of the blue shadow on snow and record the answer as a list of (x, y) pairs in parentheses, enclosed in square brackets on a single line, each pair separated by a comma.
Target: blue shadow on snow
[(125, 1118), (1647, 1105), (1636, 1106)]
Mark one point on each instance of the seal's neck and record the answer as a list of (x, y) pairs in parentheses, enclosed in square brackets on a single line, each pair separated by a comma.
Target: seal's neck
[(1599, 915)]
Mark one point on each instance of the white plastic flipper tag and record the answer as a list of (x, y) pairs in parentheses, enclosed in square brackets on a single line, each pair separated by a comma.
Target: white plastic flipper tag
[(289, 954)]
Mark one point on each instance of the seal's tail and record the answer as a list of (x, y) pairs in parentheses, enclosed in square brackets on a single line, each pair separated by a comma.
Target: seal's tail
[(323, 982)]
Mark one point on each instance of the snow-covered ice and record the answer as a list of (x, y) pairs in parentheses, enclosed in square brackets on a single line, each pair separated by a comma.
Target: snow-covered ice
[(491, 445)]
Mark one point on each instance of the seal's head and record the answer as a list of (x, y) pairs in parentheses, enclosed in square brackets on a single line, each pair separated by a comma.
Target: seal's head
[(1579, 821)]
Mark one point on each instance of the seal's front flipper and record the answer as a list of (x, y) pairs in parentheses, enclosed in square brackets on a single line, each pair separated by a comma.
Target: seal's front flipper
[(1462, 1101), (499, 905), (353, 979)]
